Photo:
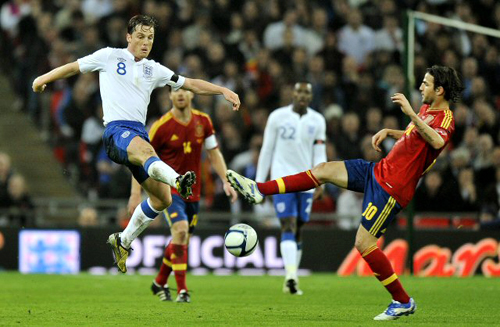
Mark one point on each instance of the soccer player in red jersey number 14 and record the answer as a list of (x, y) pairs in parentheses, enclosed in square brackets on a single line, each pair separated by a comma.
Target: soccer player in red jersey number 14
[(178, 137), (388, 185)]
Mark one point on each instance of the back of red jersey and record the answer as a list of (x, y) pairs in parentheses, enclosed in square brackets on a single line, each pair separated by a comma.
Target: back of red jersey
[(180, 144), (412, 156)]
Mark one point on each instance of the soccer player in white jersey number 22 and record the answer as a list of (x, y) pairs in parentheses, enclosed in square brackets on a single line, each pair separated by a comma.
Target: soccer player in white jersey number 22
[(126, 81), (294, 141)]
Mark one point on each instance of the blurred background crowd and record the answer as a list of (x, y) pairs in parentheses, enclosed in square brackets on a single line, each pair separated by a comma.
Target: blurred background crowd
[(351, 51)]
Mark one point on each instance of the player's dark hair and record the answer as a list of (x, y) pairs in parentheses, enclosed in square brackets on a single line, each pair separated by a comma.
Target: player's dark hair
[(448, 79), (141, 20)]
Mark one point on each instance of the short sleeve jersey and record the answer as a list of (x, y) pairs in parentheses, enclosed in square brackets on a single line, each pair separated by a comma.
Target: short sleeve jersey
[(289, 139), (179, 144), (411, 157), (125, 84)]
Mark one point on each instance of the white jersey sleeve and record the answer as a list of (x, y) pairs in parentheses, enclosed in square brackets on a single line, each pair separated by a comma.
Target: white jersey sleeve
[(319, 148), (166, 76), (95, 62), (267, 150)]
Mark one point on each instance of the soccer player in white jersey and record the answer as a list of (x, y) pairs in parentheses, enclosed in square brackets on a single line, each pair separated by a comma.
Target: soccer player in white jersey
[(294, 141), (126, 79)]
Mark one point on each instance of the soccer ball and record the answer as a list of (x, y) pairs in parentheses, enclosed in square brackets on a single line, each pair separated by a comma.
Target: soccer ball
[(241, 240)]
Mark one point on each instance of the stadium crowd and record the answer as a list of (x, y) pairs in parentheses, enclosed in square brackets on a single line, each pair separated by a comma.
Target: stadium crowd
[(351, 51)]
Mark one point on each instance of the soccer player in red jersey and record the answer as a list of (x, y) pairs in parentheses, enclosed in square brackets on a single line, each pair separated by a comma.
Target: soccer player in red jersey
[(178, 138), (388, 185)]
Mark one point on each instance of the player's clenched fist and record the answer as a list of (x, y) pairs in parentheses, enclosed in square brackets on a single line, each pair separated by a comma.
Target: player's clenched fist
[(37, 86), (232, 97)]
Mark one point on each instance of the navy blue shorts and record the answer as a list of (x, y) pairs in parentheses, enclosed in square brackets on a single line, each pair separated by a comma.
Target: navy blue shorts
[(182, 210), (117, 137), (379, 207), (293, 205)]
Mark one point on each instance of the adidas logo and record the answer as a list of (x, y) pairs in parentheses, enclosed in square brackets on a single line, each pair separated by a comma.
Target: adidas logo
[(174, 138)]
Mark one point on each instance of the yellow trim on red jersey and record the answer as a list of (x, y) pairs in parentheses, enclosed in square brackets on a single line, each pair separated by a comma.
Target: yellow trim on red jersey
[(448, 117), (166, 117)]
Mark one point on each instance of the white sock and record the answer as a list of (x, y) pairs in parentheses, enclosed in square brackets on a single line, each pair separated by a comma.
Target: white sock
[(139, 222), (299, 257), (289, 255), (162, 172)]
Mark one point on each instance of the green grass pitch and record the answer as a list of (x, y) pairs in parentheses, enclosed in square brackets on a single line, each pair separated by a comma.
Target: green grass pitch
[(328, 300)]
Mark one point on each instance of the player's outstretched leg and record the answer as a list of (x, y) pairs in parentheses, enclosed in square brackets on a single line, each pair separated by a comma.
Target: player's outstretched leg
[(397, 309), (184, 182), (247, 187), (255, 192), (120, 253)]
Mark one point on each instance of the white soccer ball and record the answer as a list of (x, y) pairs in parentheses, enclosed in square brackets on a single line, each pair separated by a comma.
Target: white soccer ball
[(241, 240)]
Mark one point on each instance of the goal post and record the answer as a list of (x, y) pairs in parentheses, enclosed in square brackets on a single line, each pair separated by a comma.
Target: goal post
[(409, 20)]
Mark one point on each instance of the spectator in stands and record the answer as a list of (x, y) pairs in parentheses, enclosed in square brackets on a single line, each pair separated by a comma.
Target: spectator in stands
[(65, 29), (468, 192), (21, 206), (355, 39), (88, 217), (430, 195), (489, 217), (348, 141), (274, 33), (5, 176)]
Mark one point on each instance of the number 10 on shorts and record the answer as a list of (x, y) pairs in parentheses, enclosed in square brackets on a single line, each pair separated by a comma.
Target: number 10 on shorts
[(370, 211)]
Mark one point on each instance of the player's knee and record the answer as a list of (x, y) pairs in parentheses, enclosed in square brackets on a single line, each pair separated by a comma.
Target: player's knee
[(362, 244), (162, 203), (183, 235), (288, 226)]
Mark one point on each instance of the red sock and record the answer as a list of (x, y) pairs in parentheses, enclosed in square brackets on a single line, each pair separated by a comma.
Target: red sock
[(294, 183), (166, 267), (179, 265), (382, 269)]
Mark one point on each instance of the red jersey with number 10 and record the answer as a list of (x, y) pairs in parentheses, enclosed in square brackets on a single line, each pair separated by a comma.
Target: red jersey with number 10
[(411, 157), (179, 144)]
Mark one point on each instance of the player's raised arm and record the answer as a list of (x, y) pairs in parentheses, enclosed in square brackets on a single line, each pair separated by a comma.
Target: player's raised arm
[(428, 133), (65, 71), (202, 87)]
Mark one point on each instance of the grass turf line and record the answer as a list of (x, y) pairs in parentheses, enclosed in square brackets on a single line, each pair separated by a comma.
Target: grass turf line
[(328, 300)]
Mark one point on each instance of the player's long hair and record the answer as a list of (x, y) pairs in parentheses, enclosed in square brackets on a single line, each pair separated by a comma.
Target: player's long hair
[(447, 78), (141, 20)]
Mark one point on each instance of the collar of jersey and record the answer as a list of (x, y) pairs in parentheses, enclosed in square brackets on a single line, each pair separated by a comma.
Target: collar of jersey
[(131, 56), (296, 113)]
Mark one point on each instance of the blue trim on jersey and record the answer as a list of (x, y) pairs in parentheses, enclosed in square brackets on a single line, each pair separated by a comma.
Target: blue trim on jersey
[(117, 137), (183, 210), (293, 205), (148, 211), (287, 236), (379, 207)]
